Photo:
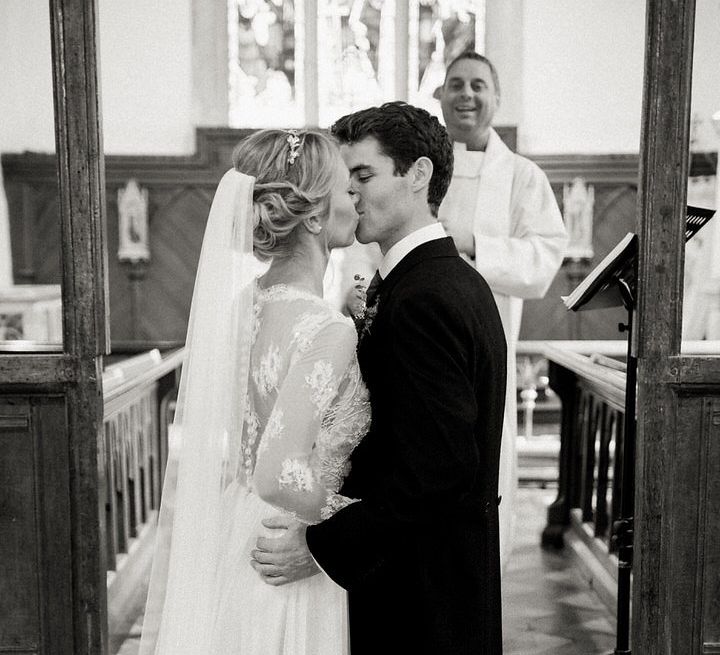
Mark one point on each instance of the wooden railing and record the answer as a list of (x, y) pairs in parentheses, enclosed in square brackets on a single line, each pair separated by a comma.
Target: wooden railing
[(539, 409), (592, 394), (139, 395), (591, 388)]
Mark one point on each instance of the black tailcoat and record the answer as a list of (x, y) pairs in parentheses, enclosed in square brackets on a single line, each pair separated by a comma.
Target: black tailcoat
[(419, 553)]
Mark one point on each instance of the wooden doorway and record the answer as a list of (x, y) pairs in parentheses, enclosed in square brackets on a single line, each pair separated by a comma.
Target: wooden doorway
[(54, 598), (676, 607)]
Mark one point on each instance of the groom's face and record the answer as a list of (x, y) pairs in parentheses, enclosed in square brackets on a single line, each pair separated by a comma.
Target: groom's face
[(383, 198)]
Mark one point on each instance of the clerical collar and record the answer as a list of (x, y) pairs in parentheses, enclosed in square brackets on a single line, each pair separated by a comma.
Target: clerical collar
[(406, 244), (459, 146), (468, 163)]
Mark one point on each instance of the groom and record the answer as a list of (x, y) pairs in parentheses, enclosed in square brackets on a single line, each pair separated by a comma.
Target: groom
[(419, 552)]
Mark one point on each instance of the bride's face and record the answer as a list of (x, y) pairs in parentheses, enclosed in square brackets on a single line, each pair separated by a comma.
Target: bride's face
[(343, 219)]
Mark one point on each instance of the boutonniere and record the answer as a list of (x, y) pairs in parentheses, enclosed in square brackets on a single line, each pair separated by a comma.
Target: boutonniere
[(367, 317)]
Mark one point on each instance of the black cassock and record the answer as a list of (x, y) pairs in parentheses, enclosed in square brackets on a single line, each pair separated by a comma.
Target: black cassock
[(419, 553)]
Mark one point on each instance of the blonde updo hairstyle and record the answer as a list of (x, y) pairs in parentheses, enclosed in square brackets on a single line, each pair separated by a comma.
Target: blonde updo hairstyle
[(286, 193)]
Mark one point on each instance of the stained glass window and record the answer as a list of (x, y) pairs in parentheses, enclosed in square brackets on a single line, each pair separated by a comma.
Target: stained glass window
[(439, 31), (265, 39), (308, 62), (356, 42)]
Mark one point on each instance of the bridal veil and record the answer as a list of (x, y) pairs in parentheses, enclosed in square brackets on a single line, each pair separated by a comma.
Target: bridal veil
[(205, 437)]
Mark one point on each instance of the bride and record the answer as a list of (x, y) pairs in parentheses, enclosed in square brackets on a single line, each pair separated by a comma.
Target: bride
[(271, 404)]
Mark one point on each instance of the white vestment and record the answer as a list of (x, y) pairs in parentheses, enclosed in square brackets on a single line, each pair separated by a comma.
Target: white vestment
[(358, 259), (520, 241)]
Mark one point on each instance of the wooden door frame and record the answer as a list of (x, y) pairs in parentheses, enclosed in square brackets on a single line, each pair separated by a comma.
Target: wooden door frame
[(76, 372), (662, 573), (677, 394)]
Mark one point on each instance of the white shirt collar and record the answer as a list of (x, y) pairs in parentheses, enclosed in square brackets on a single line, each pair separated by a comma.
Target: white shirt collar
[(406, 244)]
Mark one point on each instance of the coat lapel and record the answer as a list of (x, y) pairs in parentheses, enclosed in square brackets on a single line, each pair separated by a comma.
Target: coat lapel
[(428, 250), (366, 344)]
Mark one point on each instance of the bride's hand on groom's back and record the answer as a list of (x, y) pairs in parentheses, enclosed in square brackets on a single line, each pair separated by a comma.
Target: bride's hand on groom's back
[(284, 558)]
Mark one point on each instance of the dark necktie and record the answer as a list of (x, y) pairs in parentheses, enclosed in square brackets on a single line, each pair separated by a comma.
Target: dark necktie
[(372, 290)]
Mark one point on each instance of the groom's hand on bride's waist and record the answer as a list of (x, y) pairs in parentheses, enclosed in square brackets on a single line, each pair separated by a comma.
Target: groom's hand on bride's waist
[(284, 558)]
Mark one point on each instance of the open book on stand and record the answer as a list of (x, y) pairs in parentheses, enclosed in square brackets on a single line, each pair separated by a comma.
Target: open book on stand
[(601, 288)]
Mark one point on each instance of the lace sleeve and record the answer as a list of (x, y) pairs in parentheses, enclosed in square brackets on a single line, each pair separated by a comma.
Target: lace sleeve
[(287, 471)]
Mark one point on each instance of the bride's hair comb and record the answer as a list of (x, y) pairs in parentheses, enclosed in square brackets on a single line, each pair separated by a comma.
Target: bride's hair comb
[(294, 144)]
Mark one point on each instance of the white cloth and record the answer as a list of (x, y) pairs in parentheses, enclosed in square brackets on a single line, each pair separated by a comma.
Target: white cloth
[(363, 259), (408, 243), (271, 405), (520, 240), (306, 617), (358, 259)]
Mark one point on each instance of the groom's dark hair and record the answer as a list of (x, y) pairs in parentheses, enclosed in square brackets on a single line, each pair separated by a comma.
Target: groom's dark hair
[(404, 133)]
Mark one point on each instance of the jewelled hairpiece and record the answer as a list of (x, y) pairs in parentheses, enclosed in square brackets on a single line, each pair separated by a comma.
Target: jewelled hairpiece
[(294, 142)]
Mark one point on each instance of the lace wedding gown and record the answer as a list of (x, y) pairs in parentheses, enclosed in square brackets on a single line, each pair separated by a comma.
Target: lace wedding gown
[(306, 410)]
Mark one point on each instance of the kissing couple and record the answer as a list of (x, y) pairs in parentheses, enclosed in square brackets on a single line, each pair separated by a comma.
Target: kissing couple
[(332, 490)]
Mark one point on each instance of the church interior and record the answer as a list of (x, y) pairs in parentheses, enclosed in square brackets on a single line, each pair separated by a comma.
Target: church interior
[(117, 122)]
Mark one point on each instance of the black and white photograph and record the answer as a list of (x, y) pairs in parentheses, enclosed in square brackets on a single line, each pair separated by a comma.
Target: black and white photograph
[(359, 327)]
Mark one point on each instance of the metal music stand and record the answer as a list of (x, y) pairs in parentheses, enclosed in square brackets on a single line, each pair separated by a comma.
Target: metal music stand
[(623, 528)]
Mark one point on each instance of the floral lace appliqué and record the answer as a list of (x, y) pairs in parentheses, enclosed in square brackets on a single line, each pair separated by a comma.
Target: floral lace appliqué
[(307, 327), (296, 475), (334, 504), (257, 310), (307, 467), (322, 390), (285, 292), (273, 430), (344, 424), (267, 373), (252, 428)]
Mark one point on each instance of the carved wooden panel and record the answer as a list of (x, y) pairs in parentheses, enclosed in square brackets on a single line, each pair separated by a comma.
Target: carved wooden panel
[(35, 550), (151, 303), (20, 628), (547, 318), (178, 227), (708, 575), (34, 228), (691, 552)]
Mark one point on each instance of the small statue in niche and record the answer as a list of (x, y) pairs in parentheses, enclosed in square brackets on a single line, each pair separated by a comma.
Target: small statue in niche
[(133, 223), (578, 204)]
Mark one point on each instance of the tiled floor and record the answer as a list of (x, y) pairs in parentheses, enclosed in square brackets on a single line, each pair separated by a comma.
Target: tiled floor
[(548, 609)]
